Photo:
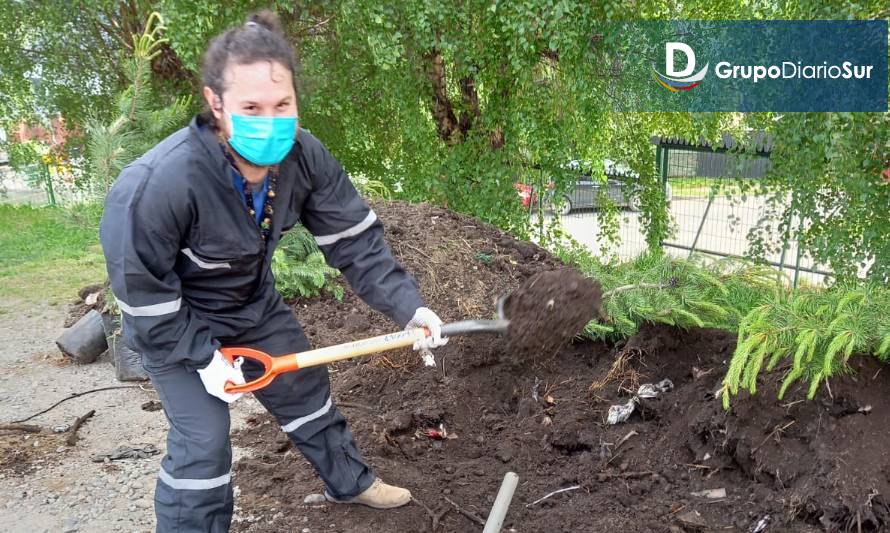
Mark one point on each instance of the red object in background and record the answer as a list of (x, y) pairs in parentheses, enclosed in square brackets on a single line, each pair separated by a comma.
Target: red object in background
[(56, 135), (525, 193), (885, 175)]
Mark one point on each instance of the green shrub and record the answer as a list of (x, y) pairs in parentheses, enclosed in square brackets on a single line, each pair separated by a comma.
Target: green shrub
[(815, 331), (300, 268), (656, 288), (144, 118), (370, 188)]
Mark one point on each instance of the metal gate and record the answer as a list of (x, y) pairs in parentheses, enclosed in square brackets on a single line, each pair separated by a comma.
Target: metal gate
[(717, 211)]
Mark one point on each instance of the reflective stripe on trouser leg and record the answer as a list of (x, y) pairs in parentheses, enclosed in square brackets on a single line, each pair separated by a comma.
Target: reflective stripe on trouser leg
[(194, 484), (296, 423), (321, 434), (194, 490), (301, 402)]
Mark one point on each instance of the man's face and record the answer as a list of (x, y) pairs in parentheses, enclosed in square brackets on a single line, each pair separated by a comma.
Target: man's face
[(264, 88)]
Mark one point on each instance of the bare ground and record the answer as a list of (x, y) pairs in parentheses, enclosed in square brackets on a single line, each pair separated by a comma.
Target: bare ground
[(46, 485)]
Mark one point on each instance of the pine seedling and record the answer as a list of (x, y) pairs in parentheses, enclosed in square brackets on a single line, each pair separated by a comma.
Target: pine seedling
[(818, 330), (143, 117)]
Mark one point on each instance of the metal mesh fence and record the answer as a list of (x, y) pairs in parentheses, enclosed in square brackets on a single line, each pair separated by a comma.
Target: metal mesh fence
[(716, 206), (715, 213), (41, 185)]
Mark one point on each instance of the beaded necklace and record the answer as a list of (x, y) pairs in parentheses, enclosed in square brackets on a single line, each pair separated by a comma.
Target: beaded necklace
[(272, 177)]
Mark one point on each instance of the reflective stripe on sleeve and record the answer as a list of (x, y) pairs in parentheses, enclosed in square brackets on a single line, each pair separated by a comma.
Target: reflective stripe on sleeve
[(323, 240)]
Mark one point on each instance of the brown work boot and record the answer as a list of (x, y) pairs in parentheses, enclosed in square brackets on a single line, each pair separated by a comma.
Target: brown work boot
[(379, 496)]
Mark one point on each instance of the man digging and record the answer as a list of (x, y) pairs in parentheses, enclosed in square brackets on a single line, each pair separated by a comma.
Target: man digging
[(188, 234)]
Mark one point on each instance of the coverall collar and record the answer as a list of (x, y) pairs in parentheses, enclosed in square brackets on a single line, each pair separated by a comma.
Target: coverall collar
[(200, 128)]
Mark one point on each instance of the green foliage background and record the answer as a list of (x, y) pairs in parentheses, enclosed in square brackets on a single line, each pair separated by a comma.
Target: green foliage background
[(142, 118), (453, 102)]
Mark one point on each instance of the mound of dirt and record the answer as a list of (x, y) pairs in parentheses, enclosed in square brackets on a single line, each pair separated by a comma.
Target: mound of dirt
[(680, 462), (463, 266)]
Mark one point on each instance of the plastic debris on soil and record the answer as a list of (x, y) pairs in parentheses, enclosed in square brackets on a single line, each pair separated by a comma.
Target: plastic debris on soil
[(620, 413)]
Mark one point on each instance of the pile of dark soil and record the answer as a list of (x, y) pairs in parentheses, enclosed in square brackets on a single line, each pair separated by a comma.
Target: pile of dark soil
[(680, 463), (462, 267)]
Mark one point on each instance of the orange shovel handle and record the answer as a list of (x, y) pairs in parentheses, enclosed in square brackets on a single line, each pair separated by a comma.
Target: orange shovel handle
[(273, 366)]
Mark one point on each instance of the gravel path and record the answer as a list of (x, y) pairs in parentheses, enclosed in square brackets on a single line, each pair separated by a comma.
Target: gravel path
[(64, 490)]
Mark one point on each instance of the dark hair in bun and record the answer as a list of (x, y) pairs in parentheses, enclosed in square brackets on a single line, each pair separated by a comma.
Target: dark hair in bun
[(266, 19), (260, 38)]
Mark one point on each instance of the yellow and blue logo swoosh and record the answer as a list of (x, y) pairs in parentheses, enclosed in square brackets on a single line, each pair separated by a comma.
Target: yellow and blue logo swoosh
[(679, 84)]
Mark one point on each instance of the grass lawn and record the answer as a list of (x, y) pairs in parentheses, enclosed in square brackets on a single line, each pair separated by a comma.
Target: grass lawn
[(47, 254), (701, 187)]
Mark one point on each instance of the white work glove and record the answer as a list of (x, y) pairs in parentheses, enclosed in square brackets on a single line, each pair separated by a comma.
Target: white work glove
[(218, 373), (425, 318)]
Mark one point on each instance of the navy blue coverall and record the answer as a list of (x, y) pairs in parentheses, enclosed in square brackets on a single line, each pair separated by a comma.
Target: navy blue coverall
[(191, 272)]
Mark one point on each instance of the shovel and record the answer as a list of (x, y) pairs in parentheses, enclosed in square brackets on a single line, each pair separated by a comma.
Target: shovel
[(275, 365)]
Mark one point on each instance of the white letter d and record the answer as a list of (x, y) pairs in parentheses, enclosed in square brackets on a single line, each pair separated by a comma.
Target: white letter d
[(669, 49)]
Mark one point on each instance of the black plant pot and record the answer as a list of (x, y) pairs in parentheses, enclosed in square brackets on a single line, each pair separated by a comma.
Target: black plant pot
[(85, 341)]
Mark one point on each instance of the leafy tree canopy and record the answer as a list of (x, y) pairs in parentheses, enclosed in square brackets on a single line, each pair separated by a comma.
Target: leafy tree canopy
[(453, 102)]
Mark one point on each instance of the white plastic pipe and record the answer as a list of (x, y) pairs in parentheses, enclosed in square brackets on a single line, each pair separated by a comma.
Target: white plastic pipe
[(501, 504)]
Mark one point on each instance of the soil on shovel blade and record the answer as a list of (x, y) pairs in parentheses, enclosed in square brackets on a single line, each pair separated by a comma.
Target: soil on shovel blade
[(679, 463), (548, 310)]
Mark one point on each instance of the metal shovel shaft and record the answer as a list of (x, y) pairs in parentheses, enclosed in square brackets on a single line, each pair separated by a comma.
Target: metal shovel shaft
[(469, 327), (391, 341)]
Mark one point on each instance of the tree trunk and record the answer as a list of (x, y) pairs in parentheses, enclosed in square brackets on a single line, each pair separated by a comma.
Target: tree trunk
[(471, 104), (441, 108)]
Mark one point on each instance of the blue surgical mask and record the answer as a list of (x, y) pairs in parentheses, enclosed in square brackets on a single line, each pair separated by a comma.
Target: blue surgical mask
[(263, 141)]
